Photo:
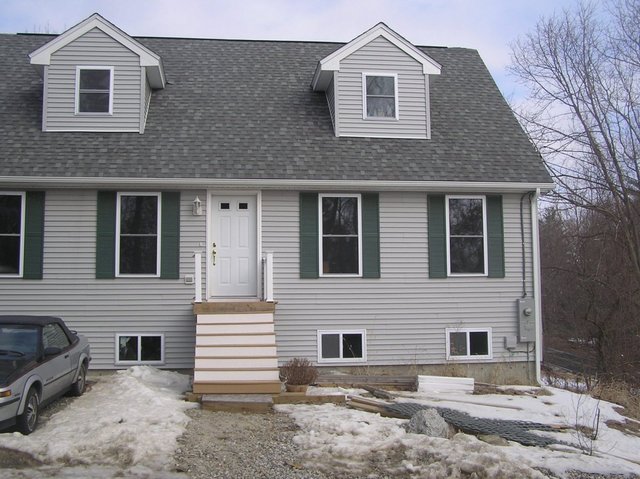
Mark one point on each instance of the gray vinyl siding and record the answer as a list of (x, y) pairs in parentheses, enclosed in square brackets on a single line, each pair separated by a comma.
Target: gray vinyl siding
[(147, 101), (380, 55), (330, 93), (102, 308), (404, 312), (94, 48)]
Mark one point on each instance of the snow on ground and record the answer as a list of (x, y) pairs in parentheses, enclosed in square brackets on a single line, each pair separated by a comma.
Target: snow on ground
[(350, 441), (126, 424)]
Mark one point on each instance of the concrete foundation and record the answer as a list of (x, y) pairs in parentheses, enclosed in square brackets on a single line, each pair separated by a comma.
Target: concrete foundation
[(521, 372)]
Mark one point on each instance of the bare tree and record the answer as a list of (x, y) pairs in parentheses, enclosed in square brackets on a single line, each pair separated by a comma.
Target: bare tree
[(582, 68)]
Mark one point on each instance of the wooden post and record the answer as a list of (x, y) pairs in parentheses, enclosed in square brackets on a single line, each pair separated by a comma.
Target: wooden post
[(197, 258)]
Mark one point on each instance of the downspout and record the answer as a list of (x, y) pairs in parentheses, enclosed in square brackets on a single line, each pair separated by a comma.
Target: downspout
[(537, 285)]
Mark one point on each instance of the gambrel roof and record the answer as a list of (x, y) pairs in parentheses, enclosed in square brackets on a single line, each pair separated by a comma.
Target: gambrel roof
[(245, 110)]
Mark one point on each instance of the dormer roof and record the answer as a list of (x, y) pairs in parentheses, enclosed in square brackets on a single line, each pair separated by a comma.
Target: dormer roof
[(329, 64), (148, 59)]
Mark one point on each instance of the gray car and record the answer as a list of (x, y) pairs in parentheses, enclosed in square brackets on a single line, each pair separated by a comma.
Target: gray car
[(40, 360)]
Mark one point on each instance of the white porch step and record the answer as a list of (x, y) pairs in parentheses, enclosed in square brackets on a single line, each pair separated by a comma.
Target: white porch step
[(237, 362), (244, 350), (268, 339), (233, 328), (235, 375)]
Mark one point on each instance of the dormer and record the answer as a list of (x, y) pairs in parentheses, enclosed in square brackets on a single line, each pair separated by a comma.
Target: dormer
[(96, 78), (377, 85)]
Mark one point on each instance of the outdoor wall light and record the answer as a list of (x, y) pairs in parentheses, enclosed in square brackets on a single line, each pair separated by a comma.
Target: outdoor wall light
[(197, 207)]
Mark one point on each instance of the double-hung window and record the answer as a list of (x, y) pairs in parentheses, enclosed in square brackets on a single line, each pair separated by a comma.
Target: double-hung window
[(340, 235), (380, 95), (466, 235), (94, 89), (12, 209), (137, 234)]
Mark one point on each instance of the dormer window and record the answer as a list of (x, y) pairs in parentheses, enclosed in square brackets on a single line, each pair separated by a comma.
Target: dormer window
[(380, 95), (94, 90)]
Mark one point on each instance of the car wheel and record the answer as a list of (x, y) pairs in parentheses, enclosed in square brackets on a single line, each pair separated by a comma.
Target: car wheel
[(28, 420), (77, 389)]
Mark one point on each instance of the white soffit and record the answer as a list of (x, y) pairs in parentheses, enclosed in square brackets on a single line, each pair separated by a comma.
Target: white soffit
[(331, 63), (148, 59)]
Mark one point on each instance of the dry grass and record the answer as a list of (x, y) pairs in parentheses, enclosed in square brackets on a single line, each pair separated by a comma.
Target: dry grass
[(619, 393)]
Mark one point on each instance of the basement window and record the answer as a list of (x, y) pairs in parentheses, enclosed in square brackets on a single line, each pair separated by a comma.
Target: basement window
[(341, 346), (139, 349), (469, 343)]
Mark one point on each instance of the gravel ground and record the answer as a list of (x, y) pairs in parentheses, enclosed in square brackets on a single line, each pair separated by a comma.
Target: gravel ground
[(239, 446)]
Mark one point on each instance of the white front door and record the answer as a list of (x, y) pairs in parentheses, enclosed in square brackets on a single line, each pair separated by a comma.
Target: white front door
[(233, 254)]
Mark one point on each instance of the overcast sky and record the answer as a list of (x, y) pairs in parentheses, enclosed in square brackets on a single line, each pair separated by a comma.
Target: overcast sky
[(486, 25)]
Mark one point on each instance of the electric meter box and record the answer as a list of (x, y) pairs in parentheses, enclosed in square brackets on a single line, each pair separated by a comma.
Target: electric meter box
[(526, 320)]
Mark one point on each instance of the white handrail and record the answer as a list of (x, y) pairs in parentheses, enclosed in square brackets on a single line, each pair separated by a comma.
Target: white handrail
[(267, 277), (197, 273)]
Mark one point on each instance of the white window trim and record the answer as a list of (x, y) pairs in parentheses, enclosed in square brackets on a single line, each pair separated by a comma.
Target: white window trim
[(79, 68), (158, 240), (140, 336), (468, 356), (320, 253), (23, 205), (341, 359), (364, 95), (484, 233)]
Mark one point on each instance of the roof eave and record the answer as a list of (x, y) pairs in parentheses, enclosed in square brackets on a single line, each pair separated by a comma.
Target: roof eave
[(286, 184)]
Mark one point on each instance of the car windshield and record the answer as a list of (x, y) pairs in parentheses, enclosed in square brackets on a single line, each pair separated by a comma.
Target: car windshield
[(18, 341)]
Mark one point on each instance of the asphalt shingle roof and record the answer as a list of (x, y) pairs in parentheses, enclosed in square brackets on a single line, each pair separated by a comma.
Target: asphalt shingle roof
[(245, 110)]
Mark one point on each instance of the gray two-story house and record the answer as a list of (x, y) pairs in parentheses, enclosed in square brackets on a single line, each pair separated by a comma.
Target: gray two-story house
[(226, 205)]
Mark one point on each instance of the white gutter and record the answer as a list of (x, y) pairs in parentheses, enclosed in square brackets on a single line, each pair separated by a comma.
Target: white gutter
[(537, 285), (266, 184)]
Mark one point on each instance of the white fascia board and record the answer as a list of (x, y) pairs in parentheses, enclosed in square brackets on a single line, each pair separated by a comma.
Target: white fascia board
[(332, 61), (274, 184), (148, 59)]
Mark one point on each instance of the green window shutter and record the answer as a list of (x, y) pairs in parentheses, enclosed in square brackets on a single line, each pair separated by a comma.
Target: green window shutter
[(495, 237), (370, 236), (437, 237), (170, 236), (309, 235), (33, 235), (106, 235)]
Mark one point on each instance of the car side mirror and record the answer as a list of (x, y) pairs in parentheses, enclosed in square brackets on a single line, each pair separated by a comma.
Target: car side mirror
[(51, 351)]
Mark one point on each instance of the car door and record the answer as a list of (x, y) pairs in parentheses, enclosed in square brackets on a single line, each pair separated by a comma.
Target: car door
[(55, 370)]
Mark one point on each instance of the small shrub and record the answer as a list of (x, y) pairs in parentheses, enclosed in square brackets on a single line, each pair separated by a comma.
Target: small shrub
[(298, 371)]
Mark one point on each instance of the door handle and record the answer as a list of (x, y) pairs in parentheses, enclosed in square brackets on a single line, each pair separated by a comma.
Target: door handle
[(213, 254)]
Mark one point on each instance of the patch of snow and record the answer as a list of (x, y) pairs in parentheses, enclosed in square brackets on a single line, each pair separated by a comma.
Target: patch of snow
[(341, 439), (127, 421)]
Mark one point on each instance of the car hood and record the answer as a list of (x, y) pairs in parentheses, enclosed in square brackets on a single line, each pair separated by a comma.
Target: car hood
[(12, 368)]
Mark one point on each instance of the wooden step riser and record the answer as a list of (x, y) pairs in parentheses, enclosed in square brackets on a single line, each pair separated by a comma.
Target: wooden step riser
[(227, 376), (269, 387), (234, 318), (232, 363), (234, 328), (246, 351)]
